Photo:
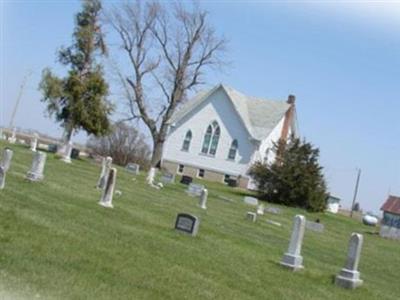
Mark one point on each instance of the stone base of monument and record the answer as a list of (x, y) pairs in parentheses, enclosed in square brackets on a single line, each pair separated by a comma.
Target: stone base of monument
[(66, 159), (12, 140), (348, 279), (34, 177), (292, 262), (106, 204)]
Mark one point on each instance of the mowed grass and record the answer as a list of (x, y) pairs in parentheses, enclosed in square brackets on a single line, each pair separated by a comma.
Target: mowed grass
[(56, 242)]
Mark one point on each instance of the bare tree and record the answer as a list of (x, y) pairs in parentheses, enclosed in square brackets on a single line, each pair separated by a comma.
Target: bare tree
[(124, 144), (168, 47)]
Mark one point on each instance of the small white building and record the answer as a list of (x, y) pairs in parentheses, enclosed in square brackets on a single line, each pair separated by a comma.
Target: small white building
[(220, 133), (390, 227), (332, 204)]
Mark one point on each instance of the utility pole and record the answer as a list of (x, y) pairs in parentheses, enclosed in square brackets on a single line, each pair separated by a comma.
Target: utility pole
[(355, 192), (21, 90)]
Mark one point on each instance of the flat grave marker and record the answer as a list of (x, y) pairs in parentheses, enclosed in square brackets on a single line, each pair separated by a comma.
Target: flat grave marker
[(250, 200)]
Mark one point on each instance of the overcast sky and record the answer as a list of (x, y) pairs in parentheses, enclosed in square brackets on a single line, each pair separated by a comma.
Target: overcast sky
[(341, 60)]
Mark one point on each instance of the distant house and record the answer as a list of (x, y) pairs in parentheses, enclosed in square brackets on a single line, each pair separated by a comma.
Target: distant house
[(332, 204), (220, 133), (390, 227)]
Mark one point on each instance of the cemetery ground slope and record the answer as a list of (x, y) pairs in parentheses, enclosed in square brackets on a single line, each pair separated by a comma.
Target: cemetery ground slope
[(56, 242)]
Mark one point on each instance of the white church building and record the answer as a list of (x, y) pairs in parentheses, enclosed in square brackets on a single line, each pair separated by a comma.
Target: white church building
[(220, 133)]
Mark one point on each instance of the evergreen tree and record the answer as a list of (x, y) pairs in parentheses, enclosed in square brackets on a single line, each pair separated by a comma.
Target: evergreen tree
[(294, 179), (78, 101)]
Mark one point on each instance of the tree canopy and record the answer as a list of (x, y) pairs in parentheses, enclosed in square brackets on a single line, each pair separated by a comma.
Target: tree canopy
[(294, 179), (78, 101)]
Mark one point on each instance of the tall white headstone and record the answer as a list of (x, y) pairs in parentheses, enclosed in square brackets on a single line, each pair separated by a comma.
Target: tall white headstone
[(13, 138), (150, 176), (292, 259), (349, 276), (66, 157), (38, 164), (2, 178), (108, 191), (105, 169), (34, 142), (203, 199), (6, 159)]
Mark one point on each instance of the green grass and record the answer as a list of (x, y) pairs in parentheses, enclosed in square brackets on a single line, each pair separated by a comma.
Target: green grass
[(56, 242)]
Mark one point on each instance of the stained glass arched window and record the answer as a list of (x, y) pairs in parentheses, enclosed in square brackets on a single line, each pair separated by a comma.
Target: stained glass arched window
[(187, 140)]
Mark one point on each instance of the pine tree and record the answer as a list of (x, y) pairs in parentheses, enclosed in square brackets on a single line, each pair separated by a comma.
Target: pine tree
[(294, 179), (78, 101)]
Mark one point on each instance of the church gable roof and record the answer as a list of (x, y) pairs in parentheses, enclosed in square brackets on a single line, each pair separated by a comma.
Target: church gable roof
[(392, 205), (259, 116)]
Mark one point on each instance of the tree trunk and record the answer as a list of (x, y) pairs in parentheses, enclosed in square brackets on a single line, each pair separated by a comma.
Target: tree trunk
[(157, 152)]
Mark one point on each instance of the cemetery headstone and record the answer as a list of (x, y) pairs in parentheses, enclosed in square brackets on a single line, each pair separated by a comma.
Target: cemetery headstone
[(37, 168), (195, 190), (66, 156), (187, 223), (2, 178), (167, 178), (250, 200), (226, 199), (108, 191), (133, 168), (314, 226), (260, 209), (6, 159), (349, 276), (34, 142), (186, 180), (13, 138), (292, 259), (52, 148), (232, 182), (272, 210), (251, 216), (105, 169), (203, 199), (75, 153), (274, 223)]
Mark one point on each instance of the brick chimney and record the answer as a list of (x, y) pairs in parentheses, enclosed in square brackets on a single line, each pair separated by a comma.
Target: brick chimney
[(289, 115), (291, 99)]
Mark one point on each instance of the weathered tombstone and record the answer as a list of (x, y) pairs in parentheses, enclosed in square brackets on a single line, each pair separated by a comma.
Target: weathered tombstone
[(203, 199), (349, 277), (37, 168), (250, 200), (34, 142), (274, 223), (186, 180), (75, 153), (105, 169), (66, 156), (13, 138), (195, 190), (6, 159), (108, 191), (292, 258), (150, 176), (187, 223), (133, 168), (167, 178), (314, 226), (226, 199), (272, 210), (52, 148), (2, 178), (251, 216), (260, 209)]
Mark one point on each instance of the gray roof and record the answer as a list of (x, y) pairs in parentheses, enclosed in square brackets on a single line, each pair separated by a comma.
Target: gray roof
[(259, 116)]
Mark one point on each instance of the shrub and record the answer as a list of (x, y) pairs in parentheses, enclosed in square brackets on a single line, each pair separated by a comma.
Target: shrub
[(294, 179)]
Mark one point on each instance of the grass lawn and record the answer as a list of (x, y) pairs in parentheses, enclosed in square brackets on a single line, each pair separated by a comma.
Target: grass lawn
[(56, 242)]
